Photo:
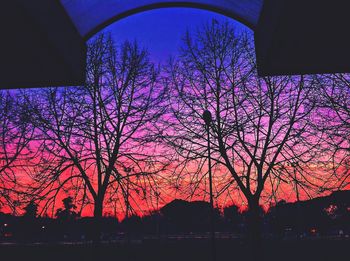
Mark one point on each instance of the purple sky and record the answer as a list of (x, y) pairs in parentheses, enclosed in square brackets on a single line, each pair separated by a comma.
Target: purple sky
[(161, 30)]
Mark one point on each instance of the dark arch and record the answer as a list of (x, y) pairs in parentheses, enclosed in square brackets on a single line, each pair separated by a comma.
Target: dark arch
[(54, 52), (91, 16), (150, 7)]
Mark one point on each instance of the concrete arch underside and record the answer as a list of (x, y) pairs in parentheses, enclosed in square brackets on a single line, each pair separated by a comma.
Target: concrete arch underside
[(93, 15), (45, 43)]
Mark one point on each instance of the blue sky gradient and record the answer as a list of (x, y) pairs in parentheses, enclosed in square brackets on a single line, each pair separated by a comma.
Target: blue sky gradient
[(161, 30)]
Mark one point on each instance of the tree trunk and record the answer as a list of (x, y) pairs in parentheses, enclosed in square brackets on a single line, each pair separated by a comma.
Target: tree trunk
[(254, 222), (98, 210)]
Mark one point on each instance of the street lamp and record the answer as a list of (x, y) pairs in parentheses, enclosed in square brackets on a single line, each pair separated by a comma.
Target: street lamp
[(208, 119)]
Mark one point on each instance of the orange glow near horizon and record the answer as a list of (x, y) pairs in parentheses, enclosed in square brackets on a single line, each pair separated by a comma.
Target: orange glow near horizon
[(115, 206)]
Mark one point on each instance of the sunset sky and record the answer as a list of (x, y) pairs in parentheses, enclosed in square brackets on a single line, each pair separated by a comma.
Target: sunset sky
[(161, 31)]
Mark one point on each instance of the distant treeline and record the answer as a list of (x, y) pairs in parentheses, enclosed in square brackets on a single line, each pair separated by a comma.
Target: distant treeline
[(326, 216)]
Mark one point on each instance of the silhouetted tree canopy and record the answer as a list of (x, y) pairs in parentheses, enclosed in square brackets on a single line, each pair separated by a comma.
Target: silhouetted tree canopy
[(67, 213), (31, 210)]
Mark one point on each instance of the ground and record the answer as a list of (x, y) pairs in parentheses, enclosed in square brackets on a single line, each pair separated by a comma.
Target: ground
[(182, 250)]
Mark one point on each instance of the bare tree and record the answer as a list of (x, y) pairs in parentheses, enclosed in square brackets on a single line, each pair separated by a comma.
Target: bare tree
[(333, 101), (263, 143), (15, 135), (94, 139)]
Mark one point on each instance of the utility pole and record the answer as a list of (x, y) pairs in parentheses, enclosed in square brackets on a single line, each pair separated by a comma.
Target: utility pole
[(208, 119)]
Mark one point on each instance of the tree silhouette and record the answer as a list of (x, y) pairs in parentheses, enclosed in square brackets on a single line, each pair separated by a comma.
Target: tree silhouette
[(67, 213), (333, 102), (262, 137), (232, 215), (31, 210), (15, 135), (94, 140)]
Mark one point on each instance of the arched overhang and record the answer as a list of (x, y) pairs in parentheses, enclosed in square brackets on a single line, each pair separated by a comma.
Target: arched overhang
[(91, 16), (44, 41)]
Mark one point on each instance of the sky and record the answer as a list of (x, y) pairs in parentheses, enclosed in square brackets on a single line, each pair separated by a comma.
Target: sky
[(161, 30)]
